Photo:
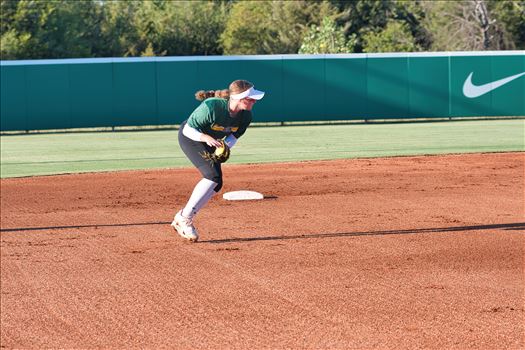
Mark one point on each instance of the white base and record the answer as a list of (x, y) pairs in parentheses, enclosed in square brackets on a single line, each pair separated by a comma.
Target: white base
[(242, 195)]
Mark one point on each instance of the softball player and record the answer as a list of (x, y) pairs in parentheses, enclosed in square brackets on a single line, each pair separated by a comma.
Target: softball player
[(223, 114)]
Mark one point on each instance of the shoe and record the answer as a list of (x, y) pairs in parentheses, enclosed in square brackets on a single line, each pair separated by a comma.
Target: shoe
[(184, 227)]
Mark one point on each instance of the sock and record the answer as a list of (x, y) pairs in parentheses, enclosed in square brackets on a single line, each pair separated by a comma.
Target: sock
[(201, 194)]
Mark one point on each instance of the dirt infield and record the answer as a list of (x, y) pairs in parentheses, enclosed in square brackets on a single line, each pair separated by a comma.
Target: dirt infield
[(409, 252)]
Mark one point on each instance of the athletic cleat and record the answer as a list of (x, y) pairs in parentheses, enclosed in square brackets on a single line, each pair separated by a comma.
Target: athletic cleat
[(184, 227)]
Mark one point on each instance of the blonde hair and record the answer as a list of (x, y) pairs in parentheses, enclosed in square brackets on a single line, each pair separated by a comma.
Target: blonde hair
[(236, 87)]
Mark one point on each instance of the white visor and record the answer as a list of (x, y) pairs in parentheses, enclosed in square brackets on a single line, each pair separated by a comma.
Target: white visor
[(251, 93)]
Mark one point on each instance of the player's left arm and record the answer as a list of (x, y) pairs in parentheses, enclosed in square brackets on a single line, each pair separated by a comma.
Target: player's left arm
[(231, 139)]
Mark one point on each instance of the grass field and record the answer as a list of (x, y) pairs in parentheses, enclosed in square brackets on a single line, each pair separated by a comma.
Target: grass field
[(45, 154)]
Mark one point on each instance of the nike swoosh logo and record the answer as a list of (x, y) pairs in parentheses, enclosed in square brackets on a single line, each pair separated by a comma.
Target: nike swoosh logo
[(471, 91)]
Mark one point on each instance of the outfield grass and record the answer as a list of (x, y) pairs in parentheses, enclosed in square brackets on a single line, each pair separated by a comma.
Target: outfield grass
[(44, 154)]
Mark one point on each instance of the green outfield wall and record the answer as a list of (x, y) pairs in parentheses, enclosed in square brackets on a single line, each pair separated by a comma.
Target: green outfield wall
[(110, 92)]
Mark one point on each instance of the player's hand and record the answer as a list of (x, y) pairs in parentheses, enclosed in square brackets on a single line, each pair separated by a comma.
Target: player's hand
[(210, 141)]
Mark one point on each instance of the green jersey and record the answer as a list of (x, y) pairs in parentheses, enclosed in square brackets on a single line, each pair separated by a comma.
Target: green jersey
[(212, 117)]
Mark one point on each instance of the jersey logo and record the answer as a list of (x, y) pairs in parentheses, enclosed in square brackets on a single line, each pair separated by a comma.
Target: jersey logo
[(227, 129)]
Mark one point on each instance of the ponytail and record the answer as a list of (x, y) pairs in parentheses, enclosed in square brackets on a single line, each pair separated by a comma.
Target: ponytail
[(236, 87), (201, 95)]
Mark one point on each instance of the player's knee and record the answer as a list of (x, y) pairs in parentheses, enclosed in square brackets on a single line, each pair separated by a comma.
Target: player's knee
[(217, 178), (219, 184)]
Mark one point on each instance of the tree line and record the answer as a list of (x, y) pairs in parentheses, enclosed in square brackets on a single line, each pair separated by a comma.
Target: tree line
[(36, 29)]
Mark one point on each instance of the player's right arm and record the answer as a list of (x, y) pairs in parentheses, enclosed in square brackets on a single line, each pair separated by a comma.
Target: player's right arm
[(200, 118)]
